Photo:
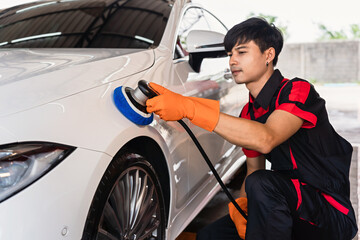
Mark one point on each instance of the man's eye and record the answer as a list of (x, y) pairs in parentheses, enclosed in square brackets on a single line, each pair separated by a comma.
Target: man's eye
[(241, 52)]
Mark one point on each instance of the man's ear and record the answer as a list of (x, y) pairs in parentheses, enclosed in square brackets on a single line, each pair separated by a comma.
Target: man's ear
[(270, 54)]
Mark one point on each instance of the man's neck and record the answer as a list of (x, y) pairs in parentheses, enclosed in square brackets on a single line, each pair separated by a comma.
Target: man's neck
[(256, 86)]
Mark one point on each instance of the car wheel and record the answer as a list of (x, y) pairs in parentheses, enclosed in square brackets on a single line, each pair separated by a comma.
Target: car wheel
[(128, 203)]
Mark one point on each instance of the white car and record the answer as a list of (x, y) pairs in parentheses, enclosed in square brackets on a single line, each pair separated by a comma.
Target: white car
[(71, 165)]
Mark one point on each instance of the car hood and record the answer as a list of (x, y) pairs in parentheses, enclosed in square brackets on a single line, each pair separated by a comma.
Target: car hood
[(29, 78)]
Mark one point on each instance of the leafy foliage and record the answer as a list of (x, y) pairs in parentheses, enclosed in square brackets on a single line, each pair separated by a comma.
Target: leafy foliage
[(327, 34), (355, 30), (273, 20)]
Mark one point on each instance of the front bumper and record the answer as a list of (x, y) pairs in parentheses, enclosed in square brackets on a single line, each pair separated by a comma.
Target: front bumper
[(55, 206)]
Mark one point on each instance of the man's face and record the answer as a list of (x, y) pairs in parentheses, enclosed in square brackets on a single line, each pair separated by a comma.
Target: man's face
[(247, 63)]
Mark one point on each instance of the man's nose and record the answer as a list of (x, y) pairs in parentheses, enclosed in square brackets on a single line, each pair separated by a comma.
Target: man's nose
[(232, 60)]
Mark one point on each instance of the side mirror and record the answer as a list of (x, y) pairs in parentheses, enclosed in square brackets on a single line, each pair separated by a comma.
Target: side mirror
[(204, 41), (204, 44)]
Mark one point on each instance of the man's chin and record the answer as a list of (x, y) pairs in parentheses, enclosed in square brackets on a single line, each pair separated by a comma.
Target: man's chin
[(239, 81)]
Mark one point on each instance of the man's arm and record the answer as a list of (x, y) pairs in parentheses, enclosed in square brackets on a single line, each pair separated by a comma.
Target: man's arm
[(252, 165), (279, 127)]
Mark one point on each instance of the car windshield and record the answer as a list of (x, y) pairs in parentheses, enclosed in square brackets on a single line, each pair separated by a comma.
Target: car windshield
[(84, 24)]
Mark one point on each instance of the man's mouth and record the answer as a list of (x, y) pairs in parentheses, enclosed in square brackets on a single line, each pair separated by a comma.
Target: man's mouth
[(235, 72)]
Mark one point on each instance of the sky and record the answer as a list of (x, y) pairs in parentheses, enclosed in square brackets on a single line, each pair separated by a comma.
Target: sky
[(301, 17)]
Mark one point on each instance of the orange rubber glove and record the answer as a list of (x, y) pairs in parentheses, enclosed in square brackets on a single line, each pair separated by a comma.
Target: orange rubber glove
[(171, 106), (237, 218)]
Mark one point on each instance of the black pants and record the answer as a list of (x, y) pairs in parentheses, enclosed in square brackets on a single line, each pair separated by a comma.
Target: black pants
[(223, 229), (274, 213)]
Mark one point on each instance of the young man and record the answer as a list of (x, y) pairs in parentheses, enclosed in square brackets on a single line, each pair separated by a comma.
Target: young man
[(306, 195)]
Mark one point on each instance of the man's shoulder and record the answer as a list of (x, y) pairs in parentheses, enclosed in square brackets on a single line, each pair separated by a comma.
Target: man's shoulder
[(297, 84), (297, 90), (297, 79)]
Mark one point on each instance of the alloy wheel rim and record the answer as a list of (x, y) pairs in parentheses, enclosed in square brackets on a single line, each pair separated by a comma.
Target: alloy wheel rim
[(132, 210)]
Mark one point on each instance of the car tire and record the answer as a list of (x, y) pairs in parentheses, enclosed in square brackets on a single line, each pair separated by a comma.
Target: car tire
[(128, 203)]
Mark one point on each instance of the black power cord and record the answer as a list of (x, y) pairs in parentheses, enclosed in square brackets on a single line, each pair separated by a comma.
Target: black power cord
[(213, 170)]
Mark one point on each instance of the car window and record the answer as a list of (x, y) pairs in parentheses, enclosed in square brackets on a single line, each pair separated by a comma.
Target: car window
[(195, 18), (84, 24)]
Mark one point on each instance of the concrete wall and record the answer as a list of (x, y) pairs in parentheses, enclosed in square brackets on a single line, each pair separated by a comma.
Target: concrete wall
[(334, 61)]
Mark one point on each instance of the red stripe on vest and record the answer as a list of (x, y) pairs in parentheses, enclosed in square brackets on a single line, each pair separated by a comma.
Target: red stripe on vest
[(244, 112), (292, 159), (299, 91), (308, 222), (310, 118), (335, 203), (278, 96), (298, 191), (259, 112), (251, 153)]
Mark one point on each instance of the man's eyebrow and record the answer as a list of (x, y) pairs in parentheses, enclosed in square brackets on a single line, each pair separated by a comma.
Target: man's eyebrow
[(240, 46)]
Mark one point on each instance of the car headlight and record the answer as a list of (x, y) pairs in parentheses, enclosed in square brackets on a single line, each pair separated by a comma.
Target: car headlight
[(21, 164)]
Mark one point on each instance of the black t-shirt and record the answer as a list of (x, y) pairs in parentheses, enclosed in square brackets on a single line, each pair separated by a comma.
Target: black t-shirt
[(315, 154)]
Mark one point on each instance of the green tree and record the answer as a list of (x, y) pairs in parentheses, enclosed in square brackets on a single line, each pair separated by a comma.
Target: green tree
[(327, 34), (355, 31), (330, 35), (273, 20)]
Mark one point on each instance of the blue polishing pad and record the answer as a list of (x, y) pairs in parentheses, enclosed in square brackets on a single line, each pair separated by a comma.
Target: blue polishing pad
[(123, 103)]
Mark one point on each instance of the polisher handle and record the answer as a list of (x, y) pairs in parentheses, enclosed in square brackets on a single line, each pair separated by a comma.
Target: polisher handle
[(145, 89)]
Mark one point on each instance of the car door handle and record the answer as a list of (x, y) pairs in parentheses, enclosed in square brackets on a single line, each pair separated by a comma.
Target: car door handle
[(179, 60)]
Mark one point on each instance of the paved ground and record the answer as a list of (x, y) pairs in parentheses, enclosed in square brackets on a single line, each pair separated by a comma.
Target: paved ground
[(343, 104)]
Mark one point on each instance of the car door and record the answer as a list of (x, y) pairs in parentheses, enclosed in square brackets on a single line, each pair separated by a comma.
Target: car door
[(212, 79)]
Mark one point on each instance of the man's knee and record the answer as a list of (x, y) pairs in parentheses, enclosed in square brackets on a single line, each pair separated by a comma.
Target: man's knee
[(265, 182), (255, 182)]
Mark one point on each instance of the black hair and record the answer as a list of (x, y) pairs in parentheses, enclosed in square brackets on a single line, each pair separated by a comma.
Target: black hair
[(258, 30)]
